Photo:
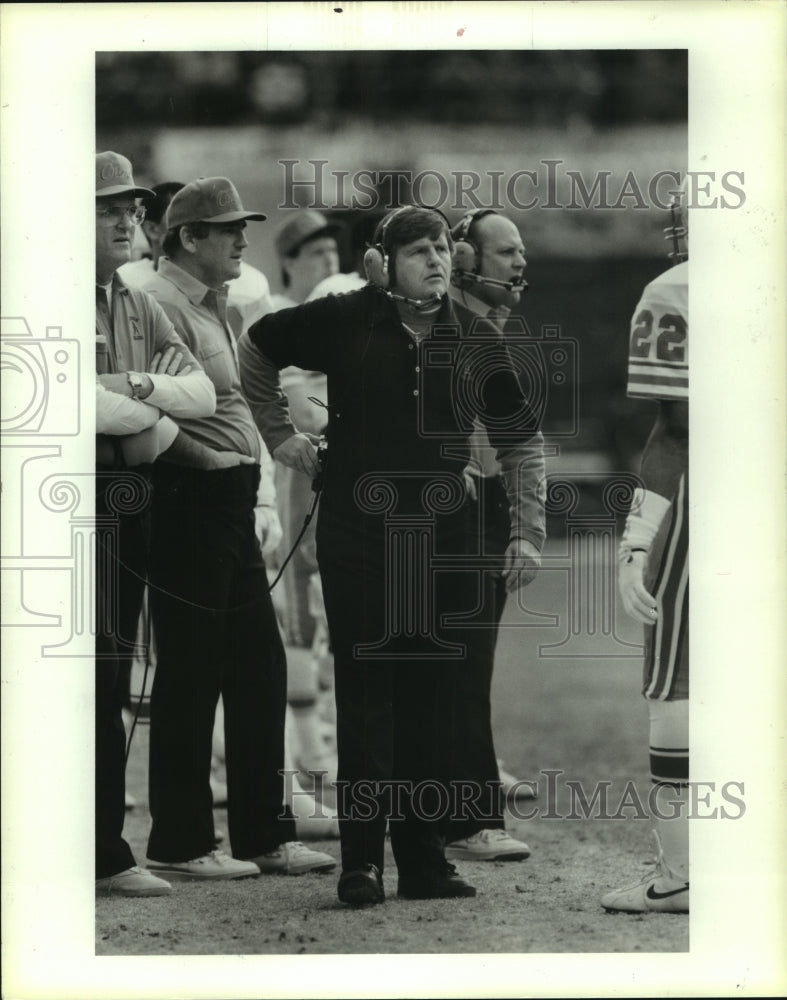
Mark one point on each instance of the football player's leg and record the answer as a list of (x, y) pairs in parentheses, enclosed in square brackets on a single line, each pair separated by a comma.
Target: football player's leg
[(669, 768)]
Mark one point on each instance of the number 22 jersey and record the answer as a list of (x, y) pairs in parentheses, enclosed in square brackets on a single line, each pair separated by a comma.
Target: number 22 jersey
[(658, 349)]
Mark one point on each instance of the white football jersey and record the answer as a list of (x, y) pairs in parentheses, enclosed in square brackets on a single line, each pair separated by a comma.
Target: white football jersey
[(659, 344)]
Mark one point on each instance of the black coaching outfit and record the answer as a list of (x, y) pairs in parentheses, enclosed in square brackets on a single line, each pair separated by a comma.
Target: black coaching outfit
[(391, 544)]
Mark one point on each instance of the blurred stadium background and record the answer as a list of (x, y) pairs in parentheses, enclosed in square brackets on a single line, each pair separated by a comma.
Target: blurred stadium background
[(179, 115)]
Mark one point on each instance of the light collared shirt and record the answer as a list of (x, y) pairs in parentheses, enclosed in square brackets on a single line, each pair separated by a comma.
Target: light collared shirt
[(141, 329), (248, 296), (199, 314)]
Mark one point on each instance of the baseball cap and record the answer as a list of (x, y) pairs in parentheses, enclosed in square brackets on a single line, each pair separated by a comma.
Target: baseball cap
[(113, 176), (208, 199), (303, 226)]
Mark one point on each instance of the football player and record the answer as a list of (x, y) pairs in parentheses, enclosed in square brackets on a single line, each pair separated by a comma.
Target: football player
[(653, 572)]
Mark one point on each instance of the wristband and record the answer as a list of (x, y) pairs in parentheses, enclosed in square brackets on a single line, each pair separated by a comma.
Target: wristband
[(626, 553), (648, 510)]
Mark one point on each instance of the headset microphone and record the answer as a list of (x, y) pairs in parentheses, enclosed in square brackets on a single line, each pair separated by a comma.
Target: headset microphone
[(418, 304), (516, 284)]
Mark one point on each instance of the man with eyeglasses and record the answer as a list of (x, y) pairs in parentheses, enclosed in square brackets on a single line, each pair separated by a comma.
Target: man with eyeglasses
[(144, 372)]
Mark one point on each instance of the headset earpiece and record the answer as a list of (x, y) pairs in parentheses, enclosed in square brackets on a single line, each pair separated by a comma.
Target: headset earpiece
[(467, 254), (375, 262), (466, 257)]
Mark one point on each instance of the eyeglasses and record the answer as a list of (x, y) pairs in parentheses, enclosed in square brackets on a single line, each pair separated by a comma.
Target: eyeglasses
[(113, 214)]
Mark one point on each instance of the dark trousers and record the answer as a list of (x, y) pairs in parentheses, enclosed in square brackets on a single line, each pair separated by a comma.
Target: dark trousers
[(396, 709), (489, 523), (216, 634), (122, 533)]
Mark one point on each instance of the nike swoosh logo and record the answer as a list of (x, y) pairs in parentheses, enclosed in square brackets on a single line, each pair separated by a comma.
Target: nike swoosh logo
[(653, 894)]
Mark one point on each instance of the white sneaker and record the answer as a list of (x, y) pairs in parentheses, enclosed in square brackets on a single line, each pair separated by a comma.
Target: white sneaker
[(517, 789), (294, 858), (487, 845), (658, 891), (134, 881), (214, 866)]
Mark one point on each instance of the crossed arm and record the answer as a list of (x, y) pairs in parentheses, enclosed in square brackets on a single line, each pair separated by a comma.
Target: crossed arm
[(147, 432)]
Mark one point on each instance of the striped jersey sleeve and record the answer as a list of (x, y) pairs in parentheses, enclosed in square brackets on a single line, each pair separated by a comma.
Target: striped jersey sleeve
[(659, 345)]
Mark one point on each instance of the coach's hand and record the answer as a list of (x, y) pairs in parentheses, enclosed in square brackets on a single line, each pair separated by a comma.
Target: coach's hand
[(168, 363), (522, 561), (299, 452), (638, 603), (228, 460)]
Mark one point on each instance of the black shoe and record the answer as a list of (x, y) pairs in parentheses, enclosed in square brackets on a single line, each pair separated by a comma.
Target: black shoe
[(442, 883), (361, 886)]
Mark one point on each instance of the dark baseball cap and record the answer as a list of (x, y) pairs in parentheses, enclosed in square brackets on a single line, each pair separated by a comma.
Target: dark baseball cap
[(305, 225), (208, 199), (114, 177)]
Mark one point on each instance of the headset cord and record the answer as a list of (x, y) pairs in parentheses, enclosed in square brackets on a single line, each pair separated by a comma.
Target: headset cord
[(306, 522)]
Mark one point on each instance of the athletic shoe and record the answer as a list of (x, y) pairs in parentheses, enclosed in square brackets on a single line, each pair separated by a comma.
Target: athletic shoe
[(657, 892), (442, 883), (516, 788), (487, 845), (134, 881), (215, 866), (361, 886), (294, 858)]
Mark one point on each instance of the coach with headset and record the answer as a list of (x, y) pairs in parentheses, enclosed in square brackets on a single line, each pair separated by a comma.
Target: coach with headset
[(487, 282), (392, 513)]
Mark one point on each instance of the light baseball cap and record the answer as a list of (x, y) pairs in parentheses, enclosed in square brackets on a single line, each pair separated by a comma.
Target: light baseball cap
[(208, 199), (114, 177), (304, 225)]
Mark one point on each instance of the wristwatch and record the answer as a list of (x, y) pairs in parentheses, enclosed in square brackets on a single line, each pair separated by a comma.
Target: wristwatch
[(136, 383)]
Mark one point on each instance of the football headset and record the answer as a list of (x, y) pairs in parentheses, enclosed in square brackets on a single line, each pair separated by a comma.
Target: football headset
[(377, 266), (467, 256)]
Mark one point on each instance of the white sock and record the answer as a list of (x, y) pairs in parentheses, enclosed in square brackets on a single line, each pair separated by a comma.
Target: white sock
[(669, 767)]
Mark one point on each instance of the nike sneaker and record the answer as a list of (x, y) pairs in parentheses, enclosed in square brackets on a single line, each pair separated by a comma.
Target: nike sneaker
[(659, 891)]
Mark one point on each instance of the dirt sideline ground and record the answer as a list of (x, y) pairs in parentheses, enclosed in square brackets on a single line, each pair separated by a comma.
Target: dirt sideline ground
[(581, 717)]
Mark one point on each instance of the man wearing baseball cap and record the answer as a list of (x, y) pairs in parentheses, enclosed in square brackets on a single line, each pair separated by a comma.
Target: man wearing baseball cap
[(138, 357), (215, 626), (307, 251)]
